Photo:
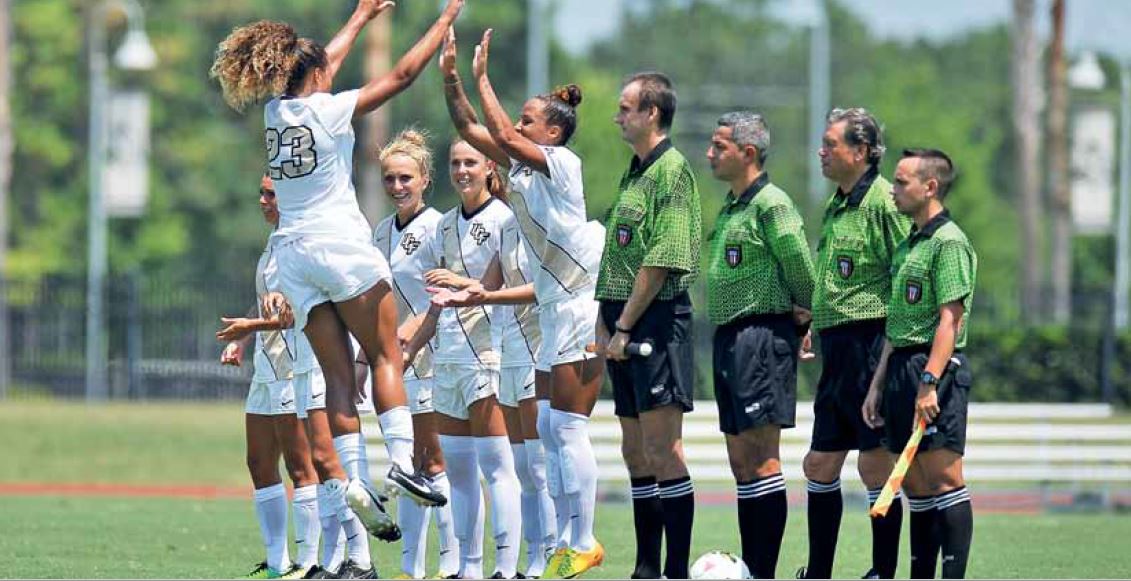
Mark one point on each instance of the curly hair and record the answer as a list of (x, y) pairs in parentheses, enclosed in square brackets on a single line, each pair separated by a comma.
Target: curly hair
[(413, 144), (561, 109), (264, 60)]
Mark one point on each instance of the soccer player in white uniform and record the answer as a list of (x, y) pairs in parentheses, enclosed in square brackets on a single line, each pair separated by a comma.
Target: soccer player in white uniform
[(473, 432), (331, 274), (403, 238), (271, 423), (549, 203)]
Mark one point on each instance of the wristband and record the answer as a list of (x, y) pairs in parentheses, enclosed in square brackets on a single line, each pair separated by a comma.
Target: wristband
[(621, 329)]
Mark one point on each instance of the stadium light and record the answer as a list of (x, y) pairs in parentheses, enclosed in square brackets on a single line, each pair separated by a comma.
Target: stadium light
[(135, 54)]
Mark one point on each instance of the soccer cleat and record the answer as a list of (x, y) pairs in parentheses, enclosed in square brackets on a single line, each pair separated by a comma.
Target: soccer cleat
[(871, 574), (554, 562), (350, 570), (370, 509), (262, 571), (416, 486), (574, 562), (295, 572), (404, 576), (317, 572), (442, 574), (802, 573)]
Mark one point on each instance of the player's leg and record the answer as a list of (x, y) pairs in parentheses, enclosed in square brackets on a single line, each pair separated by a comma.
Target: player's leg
[(874, 466), (270, 494), (463, 472), (291, 435), (924, 532), (755, 461), (496, 462), (542, 512), (543, 382)]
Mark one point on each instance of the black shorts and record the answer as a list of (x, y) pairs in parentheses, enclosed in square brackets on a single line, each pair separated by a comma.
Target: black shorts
[(755, 367), (905, 368), (849, 355), (642, 384)]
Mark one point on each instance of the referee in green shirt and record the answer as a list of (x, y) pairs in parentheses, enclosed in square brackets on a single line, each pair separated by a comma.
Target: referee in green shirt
[(759, 274), (651, 257), (923, 372), (859, 234)]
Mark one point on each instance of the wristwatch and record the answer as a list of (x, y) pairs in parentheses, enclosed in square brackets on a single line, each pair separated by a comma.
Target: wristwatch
[(928, 378)]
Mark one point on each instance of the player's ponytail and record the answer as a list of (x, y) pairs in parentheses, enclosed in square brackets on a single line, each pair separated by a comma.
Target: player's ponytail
[(264, 60), (561, 109)]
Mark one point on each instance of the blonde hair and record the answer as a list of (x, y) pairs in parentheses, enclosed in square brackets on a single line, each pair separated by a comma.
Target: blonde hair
[(264, 60), (411, 143), (497, 183)]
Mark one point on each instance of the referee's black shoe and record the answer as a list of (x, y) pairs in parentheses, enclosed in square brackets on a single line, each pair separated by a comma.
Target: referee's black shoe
[(416, 486), (350, 570), (871, 574)]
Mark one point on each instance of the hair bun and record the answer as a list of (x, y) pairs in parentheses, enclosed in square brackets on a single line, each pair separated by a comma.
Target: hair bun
[(569, 94), (414, 136)]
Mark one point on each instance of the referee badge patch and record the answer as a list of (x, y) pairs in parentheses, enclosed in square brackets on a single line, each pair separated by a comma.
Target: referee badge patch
[(734, 255), (845, 266), (624, 235), (914, 291)]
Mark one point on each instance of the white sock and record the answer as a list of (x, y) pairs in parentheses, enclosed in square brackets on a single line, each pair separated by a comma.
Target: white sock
[(396, 427), (357, 538), (466, 501), (445, 530), (547, 516), (271, 510), (413, 521), (497, 464), (562, 509), (352, 455), (333, 541), (307, 526), (579, 474)]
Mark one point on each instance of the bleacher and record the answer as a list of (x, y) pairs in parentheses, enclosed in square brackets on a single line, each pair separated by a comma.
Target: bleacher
[(1014, 442)]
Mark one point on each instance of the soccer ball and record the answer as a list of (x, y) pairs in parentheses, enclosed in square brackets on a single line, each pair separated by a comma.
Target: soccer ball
[(719, 565)]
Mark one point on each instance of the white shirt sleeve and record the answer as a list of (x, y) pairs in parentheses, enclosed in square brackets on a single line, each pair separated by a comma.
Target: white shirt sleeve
[(336, 111), (565, 170)]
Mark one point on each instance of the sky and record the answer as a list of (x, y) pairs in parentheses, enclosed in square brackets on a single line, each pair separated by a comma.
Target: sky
[(1091, 24)]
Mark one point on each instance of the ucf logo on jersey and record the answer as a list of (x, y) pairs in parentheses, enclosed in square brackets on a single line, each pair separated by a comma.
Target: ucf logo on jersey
[(409, 244), (479, 233)]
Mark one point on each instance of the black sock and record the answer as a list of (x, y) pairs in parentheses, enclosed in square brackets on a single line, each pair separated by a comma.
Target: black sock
[(956, 529), (648, 516), (924, 537), (678, 498), (885, 536), (826, 505), (762, 508)]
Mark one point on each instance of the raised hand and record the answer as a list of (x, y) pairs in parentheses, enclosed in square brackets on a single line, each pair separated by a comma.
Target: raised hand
[(479, 64), (372, 8), (454, 7), (448, 55)]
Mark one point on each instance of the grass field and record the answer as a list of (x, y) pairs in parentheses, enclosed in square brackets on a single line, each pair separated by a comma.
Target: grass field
[(202, 445)]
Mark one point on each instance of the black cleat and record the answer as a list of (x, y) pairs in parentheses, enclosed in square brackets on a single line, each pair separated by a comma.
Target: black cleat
[(416, 486), (871, 574), (316, 572), (350, 570)]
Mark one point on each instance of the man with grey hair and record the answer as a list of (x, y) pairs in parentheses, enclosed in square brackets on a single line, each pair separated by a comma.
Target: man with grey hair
[(759, 287), (860, 232)]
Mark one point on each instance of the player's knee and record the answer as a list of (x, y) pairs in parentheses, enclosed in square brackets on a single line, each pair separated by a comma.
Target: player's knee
[(635, 459), (815, 468), (263, 471)]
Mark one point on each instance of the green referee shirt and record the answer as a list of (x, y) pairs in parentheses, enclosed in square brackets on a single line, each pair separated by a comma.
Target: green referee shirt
[(655, 222), (936, 265), (759, 262), (859, 234)]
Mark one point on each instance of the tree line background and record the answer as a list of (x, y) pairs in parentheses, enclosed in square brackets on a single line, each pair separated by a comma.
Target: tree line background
[(191, 257)]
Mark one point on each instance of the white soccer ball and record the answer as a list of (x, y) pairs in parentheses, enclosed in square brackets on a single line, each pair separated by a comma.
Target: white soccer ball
[(719, 565)]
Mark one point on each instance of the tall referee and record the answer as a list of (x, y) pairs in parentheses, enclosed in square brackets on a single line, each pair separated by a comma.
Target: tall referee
[(923, 371), (859, 234), (758, 275)]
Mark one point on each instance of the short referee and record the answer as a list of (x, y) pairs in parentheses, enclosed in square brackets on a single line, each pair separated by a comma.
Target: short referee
[(923, 371), (759, 274)]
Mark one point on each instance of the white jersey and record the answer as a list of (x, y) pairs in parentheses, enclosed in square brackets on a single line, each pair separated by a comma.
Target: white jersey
[(551, 213), (466, 245), (520, 334), (409, 254), (310, 158), (274, 350)]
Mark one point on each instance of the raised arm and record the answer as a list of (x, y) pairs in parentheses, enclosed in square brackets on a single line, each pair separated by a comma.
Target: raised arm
[(502, 130), (460, 109), (378, 91), (339, 47)]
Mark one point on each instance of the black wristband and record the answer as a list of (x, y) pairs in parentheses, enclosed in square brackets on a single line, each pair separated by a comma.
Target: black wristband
[(622, 330)]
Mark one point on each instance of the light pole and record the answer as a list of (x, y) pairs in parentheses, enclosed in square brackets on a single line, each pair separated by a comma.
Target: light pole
[(819, 81), (1123, 222), (135, 54)]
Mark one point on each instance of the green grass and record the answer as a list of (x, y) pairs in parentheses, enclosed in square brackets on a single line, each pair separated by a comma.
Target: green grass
[(147, 538)]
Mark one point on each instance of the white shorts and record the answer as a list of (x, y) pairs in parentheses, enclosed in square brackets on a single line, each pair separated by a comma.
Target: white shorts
[(515, 385), (318, 269), (270, 398), (568, 327), (419, 392), (310, 391), (456, 386)]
